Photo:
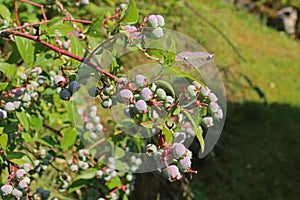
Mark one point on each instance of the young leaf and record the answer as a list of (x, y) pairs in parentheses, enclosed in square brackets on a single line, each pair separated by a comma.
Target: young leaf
[(22, 117), (168, 135), (170, 57), (77, 49), (199, 135), (166, 86), (26, 49), (69, 138), (18, 158), (131, 13), (3, 86), (5, 14), (8, 69), (3, 142)]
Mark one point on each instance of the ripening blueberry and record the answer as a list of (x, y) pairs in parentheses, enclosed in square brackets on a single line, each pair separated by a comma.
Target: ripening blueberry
[(185, 163), (58, 42), (125, 95), (36, 71), (173, 172), (74, 168), (212, 97), (139, 80), (20, 173), (93, 91), (106, 103), (204, 91), (96, 119), (197, 85), (19, 93), (41, 80), (146, 94), (83, 152), (23, 184), (65, 94), (23, 76), (191, 90), (160, 20), (99, 174), (108, 90), (83, 165), (153, 21), (59, 80), (141, 105), (17, 193), (74, 86), (3, 114), (161, 94), (9, 106), (89, 126), (99, 127), (157, 33), (17, 104), (219, 114), (6, 189), (178, 150), (151, 149), (27, 167), (179, 137), (208, 121), (214, 107), (93, 135)]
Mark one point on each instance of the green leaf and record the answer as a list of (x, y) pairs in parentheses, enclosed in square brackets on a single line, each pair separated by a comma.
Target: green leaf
[(76, 185), (199, 135), (26, 49), (5, 14), (114, 182), (18, 158), (69, 138), (3, 142), (72, 114), (3, 86), (131, 14), (8, 69), (87, 174), (36, 122), (77, 49), (170, 57), (22, 117), (96, 26), (168, 135)]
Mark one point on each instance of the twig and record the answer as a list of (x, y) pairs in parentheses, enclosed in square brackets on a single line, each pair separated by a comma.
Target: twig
[(216, 28), (37, 5), (16, 13), (57, 132), (66, 53)]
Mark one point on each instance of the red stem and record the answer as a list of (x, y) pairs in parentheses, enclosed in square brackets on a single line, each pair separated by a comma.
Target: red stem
[(66, 53), (37, 5)]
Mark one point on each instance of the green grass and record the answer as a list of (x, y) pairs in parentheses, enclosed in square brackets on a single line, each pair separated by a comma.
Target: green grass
[(257, 156)]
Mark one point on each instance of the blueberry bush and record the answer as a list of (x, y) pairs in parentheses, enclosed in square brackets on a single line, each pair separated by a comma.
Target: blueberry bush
[(72, 114)]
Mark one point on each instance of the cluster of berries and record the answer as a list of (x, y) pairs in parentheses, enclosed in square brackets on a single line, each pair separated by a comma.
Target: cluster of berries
[(19, 182), (79, 162)]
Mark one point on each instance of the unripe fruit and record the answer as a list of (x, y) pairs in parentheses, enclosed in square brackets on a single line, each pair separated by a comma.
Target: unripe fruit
[(17, 104), (20, 173), (41, 80), (157, 33), (204, 91), (153, 87), (125, 95), (27, 167), (26, 97), (23, 184), (36, 71), (219, 114), (83, 165), (179, 137), (106, 103), (214, 107), (9, 106), (139, 80), (146, 94), (173, 172), (161, 20), (141, 105), (93, 91), (74, 168), (6, 189), (169, 101), (178, 150), (59, 80), (17, 193), (23, 76), (212, 97), (191, 90), (108, 90), (99, 174), (151, 149), (89, 126), (185, 163), (74, 86), (161, 94), (3, 114), (153, 21), (208, 121), (65, 94), (99, 127), (93, 135)]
